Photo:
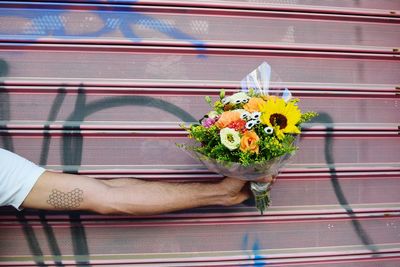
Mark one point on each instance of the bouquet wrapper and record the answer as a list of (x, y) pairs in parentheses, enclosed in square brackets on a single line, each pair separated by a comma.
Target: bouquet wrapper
[(259, 81), (252, 173)]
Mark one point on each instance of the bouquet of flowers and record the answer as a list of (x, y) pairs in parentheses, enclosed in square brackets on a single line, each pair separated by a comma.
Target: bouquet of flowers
[(251, 134)]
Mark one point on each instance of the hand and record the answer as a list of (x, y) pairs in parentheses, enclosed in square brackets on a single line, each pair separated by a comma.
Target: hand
[(235, 191)]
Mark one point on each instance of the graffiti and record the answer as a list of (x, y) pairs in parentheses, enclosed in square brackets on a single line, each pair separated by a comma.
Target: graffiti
[(52, 23), (72, 144), (51, 239), (33, 243), (53, 113), (255, 256), (326, 119), (79, 240)]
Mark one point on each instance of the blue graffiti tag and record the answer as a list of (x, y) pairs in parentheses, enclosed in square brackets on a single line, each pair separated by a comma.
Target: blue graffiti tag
[(258, 260), (52, 22)]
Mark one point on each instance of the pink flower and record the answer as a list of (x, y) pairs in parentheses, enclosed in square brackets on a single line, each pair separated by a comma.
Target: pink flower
[(208, 122)]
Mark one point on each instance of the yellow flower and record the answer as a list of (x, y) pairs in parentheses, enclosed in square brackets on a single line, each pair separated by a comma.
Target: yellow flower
[(249, 142), (281, 116)]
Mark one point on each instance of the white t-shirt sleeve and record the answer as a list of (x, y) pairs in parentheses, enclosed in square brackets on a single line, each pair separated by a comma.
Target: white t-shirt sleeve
[(17, 178)]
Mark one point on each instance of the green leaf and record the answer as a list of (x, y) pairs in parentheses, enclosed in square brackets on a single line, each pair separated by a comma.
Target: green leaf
[(222, 94)]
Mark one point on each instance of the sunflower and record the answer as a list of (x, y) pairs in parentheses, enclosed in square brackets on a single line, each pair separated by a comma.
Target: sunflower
[(281, 116)]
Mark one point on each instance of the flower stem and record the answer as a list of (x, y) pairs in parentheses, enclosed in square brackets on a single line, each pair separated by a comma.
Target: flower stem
[(261, 195)]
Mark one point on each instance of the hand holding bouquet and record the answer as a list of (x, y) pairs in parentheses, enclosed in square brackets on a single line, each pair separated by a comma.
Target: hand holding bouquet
[(249, 135)]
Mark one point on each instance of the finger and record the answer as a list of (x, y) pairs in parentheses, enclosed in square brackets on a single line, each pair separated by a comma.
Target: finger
[(268, 179)]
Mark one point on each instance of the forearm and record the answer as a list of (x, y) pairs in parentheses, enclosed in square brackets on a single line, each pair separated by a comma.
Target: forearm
[(138, 197)]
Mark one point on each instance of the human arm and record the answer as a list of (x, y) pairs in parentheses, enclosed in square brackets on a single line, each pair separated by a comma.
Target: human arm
[(59, 191)]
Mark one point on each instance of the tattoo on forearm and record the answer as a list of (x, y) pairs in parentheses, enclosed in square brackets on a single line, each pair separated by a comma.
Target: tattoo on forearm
[(68, 200)]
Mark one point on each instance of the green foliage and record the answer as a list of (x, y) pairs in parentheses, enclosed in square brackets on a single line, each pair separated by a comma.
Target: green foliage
[(305, 117), (219, 107), (269, 146)]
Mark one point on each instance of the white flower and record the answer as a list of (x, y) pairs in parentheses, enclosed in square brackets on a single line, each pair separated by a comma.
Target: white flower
[(250, 124), (236, 99), (230, 138), (256, 115), (226, 100), (268, 130), (245, 116)]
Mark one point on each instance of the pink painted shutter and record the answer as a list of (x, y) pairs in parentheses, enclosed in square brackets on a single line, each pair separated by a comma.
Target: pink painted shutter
[(100, 87)]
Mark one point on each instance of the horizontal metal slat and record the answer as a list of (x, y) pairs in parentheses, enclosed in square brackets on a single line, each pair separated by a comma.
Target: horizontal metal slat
[(197, 172), (200, 51), (76, 132), (121, 88), (324, 5), (148, 66), (147, 129), (58, 110), (357, 260), (237, 215), (245, 217), (139, 149)]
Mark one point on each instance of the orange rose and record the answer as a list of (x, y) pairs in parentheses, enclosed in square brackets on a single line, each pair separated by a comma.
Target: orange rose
[(226, 118), (254, 104), (249, 141)]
